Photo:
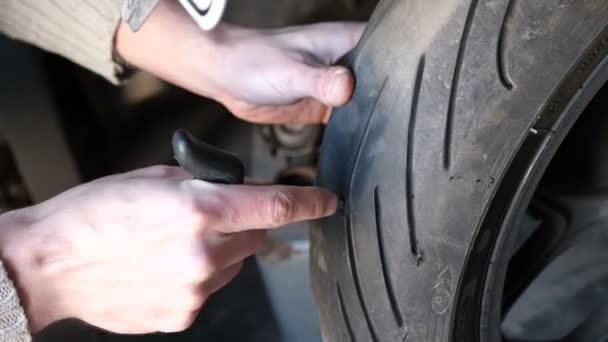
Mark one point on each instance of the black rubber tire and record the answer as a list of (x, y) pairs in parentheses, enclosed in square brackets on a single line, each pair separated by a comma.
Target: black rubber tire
[(458, 108)]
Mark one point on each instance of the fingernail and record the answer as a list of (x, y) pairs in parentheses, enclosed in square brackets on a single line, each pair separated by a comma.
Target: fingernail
[(338, 82), (334, 205)]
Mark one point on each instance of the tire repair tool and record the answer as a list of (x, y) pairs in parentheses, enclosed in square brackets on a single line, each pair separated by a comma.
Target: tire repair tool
[(206, 162), (206, 13)]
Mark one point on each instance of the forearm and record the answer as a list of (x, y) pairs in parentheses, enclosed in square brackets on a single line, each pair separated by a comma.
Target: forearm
[(82, 31), (171, 46)]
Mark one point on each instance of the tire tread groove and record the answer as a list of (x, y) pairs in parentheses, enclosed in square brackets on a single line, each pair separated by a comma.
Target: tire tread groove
[(342, 307), (349, 226), (409, 174), (449, 126), (501, 53), (390, 289)]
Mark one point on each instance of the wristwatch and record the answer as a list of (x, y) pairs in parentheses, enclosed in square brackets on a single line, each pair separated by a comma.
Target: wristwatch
[(206, 13)]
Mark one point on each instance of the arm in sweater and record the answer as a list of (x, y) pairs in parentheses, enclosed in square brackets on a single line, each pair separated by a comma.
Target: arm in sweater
[(80, 30)]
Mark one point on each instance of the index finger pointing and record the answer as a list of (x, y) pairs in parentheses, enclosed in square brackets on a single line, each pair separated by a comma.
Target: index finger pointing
[(240, 208)]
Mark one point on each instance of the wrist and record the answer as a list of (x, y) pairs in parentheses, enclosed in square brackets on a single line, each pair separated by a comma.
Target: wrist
[(171, 46), (22, 255)]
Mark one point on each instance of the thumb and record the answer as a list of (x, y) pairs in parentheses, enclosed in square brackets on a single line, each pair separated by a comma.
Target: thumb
[(332, 86), (326, 43)]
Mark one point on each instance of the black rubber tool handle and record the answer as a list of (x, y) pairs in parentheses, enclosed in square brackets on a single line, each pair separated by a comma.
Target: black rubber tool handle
[(206, 162)]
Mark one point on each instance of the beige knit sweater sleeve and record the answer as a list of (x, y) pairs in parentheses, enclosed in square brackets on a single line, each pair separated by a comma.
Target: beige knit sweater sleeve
[(13, 323), (80, 30)]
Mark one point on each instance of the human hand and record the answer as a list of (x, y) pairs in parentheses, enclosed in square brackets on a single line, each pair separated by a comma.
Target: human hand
[(141, 252), (264, 76)]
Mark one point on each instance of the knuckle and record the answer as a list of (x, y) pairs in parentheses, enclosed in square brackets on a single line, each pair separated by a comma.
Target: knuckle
[(281, 207), (207, 266), (164, 171), (178, 323), (192, 302), (204, 219), (324, 85), (229, 215), (258, 240), (211, 209), (201, 264), (203, 212)]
